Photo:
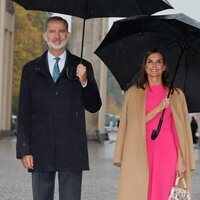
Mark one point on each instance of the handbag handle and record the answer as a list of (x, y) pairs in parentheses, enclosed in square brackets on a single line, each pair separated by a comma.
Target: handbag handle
[(183, 181)]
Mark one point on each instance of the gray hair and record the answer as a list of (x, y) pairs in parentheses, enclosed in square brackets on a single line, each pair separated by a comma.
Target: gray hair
[(55, 18)]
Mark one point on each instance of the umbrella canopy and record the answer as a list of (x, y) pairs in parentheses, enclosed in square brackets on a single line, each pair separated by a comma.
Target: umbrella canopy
[(87, 9), (178, 36), (102, 8)]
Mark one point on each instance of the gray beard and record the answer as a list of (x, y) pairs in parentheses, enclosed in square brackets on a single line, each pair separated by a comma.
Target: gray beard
[(56, 46)]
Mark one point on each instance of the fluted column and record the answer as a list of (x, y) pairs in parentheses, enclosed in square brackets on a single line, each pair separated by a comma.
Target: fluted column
[(6, 62)]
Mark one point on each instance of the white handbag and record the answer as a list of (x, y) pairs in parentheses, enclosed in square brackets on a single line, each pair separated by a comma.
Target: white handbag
[(178, 193)]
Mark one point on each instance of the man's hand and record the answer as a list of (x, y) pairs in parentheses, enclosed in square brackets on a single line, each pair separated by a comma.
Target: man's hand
[(27, 161), (81, 72)]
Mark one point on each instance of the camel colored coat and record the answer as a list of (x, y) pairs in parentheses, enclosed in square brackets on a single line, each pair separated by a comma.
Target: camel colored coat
[(130, 151)]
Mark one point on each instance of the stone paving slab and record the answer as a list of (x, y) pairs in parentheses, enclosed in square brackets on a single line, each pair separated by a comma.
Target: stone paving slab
[(100, 183)]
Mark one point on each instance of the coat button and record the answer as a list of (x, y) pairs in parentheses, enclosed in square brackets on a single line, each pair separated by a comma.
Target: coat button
[(56, 93), (58, 117)]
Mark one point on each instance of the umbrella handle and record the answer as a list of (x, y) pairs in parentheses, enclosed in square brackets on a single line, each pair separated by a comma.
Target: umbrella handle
[(156, 132)]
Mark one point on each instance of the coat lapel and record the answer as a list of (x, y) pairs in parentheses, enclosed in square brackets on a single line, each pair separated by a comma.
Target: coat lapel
[(42, 68), (141, 99), (69, 69)]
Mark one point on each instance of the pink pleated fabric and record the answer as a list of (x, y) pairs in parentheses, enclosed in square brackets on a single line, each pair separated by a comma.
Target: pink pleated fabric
[(162, 152)]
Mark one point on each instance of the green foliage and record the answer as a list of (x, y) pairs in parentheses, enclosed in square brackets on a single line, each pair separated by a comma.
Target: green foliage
[(28, 44)]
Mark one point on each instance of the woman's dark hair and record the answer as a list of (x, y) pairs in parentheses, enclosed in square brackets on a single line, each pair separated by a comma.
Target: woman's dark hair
[(143, 80)]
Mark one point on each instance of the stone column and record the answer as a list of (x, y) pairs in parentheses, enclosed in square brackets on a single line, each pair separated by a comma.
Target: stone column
[(95, 31), (6, 62)]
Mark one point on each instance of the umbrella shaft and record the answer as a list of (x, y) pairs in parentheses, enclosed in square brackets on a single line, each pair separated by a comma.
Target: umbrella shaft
[(156, 132), (82, 41), (176, 69)]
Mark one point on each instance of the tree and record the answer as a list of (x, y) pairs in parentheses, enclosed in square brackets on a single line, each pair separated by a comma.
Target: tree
[(28, 44)]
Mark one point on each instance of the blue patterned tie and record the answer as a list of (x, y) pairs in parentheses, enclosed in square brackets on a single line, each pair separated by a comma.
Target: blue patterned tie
[(56, 71)]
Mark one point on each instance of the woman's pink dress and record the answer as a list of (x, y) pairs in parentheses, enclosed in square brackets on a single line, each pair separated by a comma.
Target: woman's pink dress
[(162, 152)]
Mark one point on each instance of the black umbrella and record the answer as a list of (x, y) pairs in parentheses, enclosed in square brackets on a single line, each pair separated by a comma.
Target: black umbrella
[(178, 36), (87, 9)]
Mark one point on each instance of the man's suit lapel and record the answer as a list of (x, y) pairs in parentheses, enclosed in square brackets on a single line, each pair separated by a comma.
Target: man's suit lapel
[(42, 68), (70, 66)]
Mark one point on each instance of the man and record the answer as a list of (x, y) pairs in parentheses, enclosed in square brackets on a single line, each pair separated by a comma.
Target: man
[(55, 91), (194, 128)]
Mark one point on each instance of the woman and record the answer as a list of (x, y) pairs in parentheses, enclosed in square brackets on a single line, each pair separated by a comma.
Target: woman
[(148, 168)]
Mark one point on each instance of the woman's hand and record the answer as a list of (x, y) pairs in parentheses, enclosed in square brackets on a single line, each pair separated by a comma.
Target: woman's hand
[(163, 104), (181, 165)]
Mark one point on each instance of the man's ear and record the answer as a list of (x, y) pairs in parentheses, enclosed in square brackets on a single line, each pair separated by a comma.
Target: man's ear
[(68, 35)]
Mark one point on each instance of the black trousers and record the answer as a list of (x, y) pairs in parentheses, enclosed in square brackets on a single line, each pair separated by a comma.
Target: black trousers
[(69, 184)]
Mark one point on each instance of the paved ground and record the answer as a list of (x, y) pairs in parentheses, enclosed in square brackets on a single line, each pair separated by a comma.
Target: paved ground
[(100, 183)]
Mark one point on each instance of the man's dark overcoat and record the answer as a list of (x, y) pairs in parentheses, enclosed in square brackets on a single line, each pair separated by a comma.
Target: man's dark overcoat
[(51, 124)]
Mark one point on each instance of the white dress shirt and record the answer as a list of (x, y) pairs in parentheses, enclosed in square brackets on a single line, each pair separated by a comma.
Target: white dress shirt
[(61, 62)]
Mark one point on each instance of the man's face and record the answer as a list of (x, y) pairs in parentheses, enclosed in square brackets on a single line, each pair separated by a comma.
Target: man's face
[(56, 35)]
